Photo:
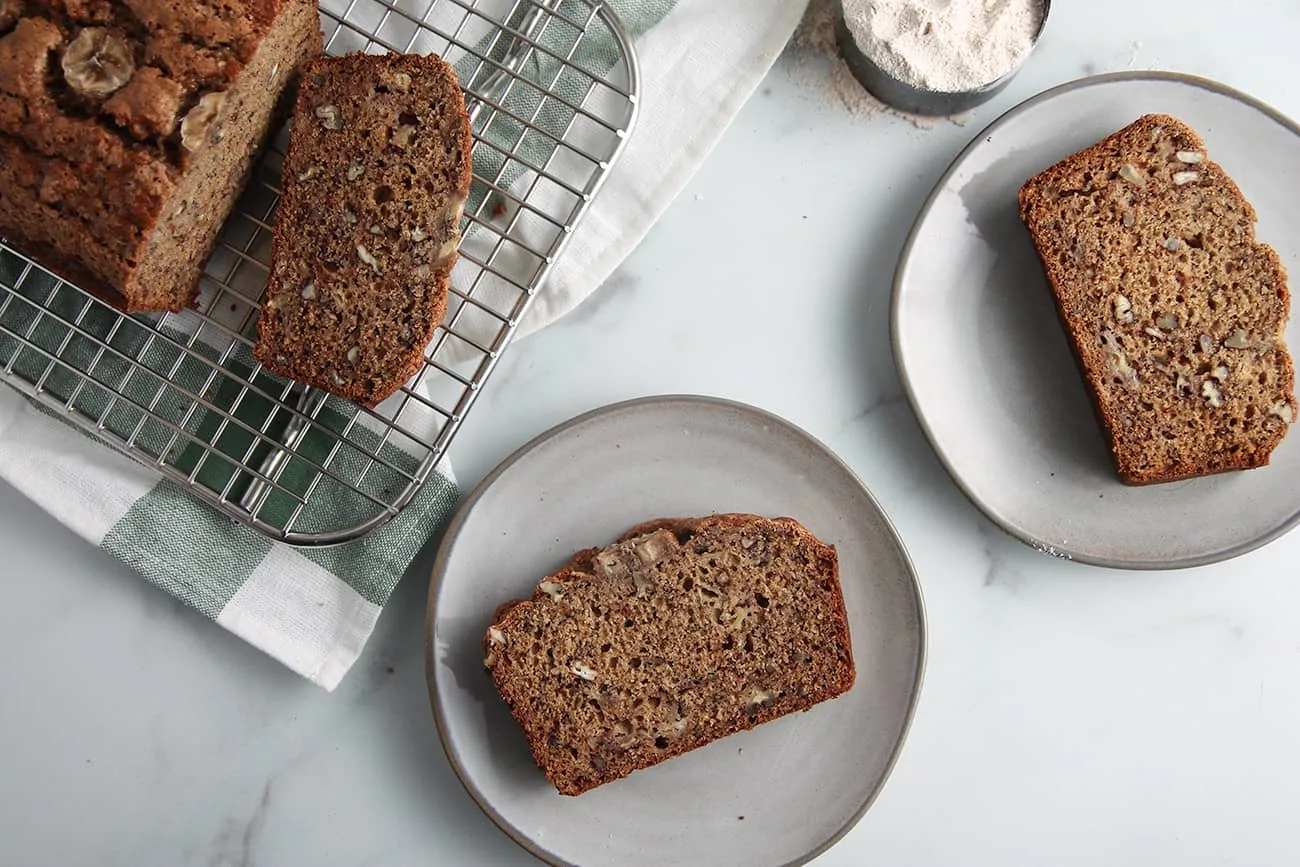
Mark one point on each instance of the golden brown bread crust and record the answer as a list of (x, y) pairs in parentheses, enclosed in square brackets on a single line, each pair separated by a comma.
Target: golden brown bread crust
[(375, 180), (1174, 311), (684, 631), (127, 128)]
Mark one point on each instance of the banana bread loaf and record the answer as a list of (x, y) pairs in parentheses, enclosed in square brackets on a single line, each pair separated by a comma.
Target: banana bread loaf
[(1175, 312), (127, 128), (682, 632), (375, 180)]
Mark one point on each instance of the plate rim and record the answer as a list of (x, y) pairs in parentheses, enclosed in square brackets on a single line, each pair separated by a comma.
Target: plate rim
[(1064, 551), (456, 525)]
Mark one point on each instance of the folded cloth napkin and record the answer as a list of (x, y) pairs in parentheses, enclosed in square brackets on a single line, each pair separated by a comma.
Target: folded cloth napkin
[(314, 609)]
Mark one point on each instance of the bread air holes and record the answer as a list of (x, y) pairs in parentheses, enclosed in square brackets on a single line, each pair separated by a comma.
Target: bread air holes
[(688, 583), (661, 742), (383, 194), (762, 600)]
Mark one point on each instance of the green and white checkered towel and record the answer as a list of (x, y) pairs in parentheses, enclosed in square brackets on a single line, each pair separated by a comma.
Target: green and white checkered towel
[(314, 609)]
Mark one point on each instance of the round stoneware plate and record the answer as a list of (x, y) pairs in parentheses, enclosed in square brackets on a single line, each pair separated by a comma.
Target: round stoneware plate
[(986, 364), (778, 794)]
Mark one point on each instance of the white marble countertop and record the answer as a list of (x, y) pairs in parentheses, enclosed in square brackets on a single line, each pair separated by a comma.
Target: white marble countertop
[(1070, 715)]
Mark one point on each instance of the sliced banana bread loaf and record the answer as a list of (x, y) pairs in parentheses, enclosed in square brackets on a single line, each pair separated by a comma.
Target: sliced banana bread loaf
[(375, 180), (684, 631), (1175, 312), (127, 128)]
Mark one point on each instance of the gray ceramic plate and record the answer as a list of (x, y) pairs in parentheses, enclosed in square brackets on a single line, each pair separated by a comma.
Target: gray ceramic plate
[(986, 365), (799, 782)]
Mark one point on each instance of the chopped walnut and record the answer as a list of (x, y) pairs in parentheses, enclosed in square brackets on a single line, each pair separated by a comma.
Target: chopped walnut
[(583, 671), (1130, 173), (330, 117), (366, 256), (1211, 393), (403, 136), (398, 81)]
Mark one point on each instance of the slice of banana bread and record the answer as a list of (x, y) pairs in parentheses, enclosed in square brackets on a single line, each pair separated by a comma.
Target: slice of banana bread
[(375, 180), (684, 631), (1175, 312), (127, 129)]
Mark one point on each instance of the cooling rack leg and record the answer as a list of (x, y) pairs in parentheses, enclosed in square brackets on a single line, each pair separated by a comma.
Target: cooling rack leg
[(309, 402)]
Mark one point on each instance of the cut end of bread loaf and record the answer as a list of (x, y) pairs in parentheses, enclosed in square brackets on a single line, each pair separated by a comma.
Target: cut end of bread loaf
[(1175, 312), (683, 632), (375, 182)]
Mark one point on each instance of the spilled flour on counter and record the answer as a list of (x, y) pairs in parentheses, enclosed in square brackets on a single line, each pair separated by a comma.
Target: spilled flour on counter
[(813, 60)]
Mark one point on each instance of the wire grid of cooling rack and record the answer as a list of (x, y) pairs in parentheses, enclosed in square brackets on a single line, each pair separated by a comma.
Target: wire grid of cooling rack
[(551, 88)]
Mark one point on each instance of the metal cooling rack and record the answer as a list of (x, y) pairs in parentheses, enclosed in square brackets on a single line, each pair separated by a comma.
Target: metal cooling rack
[(551, 87)]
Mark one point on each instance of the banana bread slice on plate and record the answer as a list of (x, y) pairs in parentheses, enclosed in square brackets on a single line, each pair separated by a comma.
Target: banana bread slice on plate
[(1175, 312), (682, 632), (375, 182)]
